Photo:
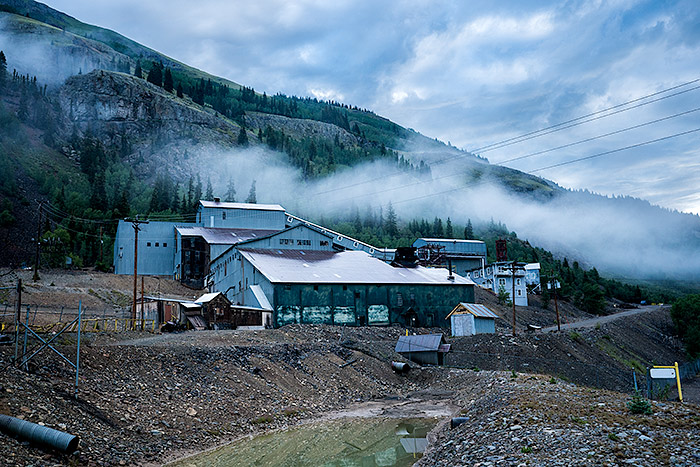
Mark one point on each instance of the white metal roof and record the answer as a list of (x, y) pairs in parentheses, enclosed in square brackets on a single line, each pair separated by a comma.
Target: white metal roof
[(224, 236), (476, 309), (341, 267), (206, 298), (253, 206), (529, 266)]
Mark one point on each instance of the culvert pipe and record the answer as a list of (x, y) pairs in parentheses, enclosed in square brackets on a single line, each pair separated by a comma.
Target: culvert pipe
[(39, 435), (400, 367)]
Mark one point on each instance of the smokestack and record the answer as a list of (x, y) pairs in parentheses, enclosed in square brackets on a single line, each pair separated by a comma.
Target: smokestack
[(217, 199)]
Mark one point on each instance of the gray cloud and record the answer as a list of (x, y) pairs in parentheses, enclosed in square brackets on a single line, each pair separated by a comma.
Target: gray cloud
[(466, 72)]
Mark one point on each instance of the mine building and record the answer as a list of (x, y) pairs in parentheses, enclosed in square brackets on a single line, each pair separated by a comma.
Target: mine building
[(461, 256), (500, 276), (276, 268)]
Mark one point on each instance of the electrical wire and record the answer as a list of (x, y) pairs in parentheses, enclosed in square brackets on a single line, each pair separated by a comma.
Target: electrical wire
[(509, 141)]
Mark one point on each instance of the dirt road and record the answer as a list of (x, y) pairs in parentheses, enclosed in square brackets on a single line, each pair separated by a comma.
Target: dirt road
[(600, 320)]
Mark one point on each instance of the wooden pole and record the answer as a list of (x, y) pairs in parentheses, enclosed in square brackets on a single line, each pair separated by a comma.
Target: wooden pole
[(143, 307), (38, 242), (556, 306), (512, 297), (136, 256)]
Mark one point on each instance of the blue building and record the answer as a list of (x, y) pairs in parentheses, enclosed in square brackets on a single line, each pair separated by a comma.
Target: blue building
[(500, 276), (266, 260)]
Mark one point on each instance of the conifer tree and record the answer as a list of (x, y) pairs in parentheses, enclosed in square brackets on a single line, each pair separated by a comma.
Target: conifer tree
[(391, 223), (209, 196), (469, 230), (138, 72), (155, 75), (3, 69), (230, 192), (448, 229), (252, 195), (168, 80), (180, 94), (243, 137)]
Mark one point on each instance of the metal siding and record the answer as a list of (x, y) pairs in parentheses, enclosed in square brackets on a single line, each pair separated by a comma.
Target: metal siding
[(298, 238), (242, 218), (484, 325), (470, 247), (153, 261), (462, 325)]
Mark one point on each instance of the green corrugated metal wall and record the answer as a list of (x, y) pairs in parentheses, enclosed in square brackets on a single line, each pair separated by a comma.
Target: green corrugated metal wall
[(355, 305)]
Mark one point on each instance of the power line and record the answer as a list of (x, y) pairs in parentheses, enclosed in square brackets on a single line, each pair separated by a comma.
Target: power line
[(510, 141), (587, 140), (605, 153), (545, 131)]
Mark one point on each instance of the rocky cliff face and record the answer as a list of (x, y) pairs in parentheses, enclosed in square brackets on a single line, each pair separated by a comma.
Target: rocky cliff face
[(148, 126)]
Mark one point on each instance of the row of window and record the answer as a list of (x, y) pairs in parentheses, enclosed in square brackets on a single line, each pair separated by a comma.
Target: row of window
[(165, 244)]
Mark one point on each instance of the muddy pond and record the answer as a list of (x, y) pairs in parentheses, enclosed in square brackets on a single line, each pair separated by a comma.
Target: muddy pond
[(346, 442)]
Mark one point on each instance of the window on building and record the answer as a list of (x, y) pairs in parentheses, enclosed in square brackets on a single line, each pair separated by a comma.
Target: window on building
[(517, 281), (165, 245), (157, 244), (316, 288), (287, 287), (223, 215), (345, 287), (148, 243), (399, 299), (225, 269), (520, 292), (357, 294), (501, 281)]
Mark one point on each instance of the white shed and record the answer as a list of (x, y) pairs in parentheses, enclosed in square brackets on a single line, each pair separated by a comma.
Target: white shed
[(468, 319)]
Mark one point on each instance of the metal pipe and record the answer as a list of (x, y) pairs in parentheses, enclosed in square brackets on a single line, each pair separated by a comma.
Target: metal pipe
[(400, 367), (39, 435)]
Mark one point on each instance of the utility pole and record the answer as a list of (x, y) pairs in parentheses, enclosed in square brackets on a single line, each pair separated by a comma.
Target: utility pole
[(101, 244), (135, 224), (38, 242), (143, 308), (553, 281), (512, 297)]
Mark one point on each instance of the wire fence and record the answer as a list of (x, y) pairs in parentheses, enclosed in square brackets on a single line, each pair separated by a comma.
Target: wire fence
[(594, 375)]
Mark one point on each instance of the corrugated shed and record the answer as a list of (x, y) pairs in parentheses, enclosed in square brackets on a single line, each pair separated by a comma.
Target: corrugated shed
[(344, 267), (475, 309), (420, 343)]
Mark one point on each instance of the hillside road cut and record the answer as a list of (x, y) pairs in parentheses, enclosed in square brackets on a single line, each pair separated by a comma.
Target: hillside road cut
[(589, 323)]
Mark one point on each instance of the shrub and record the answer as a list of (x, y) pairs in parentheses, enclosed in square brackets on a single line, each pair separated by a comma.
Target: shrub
[(639, 405)]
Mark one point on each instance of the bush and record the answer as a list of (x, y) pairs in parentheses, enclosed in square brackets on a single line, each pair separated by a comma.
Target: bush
[(639, 405)]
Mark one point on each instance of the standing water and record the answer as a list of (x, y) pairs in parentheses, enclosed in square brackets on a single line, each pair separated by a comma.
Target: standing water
[(346, 442)]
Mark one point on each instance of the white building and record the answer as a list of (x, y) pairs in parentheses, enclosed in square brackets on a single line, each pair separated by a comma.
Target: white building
[(500, 276)]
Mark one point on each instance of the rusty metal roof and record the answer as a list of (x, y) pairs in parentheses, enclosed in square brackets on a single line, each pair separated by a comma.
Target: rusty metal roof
[(220, 236), (420, 343), (341, 267)]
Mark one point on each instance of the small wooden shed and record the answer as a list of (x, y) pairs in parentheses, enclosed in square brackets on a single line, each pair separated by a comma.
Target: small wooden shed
[(216, 310), (468, 319), (427, 349)]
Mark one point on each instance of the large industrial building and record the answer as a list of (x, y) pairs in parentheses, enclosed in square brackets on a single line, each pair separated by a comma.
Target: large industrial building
[(261, 257)]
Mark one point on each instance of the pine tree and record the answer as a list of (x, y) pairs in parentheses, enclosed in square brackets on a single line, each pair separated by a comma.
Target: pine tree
[(138, 72), (437, 228), (391, 223), (230, 192), (155, 75), (180, 94), (3, 69), (197, 193), (469, 230), (243, 137), (168, 80), (209, 196), (252, 195), (448, 229)]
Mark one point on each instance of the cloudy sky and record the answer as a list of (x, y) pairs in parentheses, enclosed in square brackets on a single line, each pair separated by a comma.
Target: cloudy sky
[(472, 73)]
